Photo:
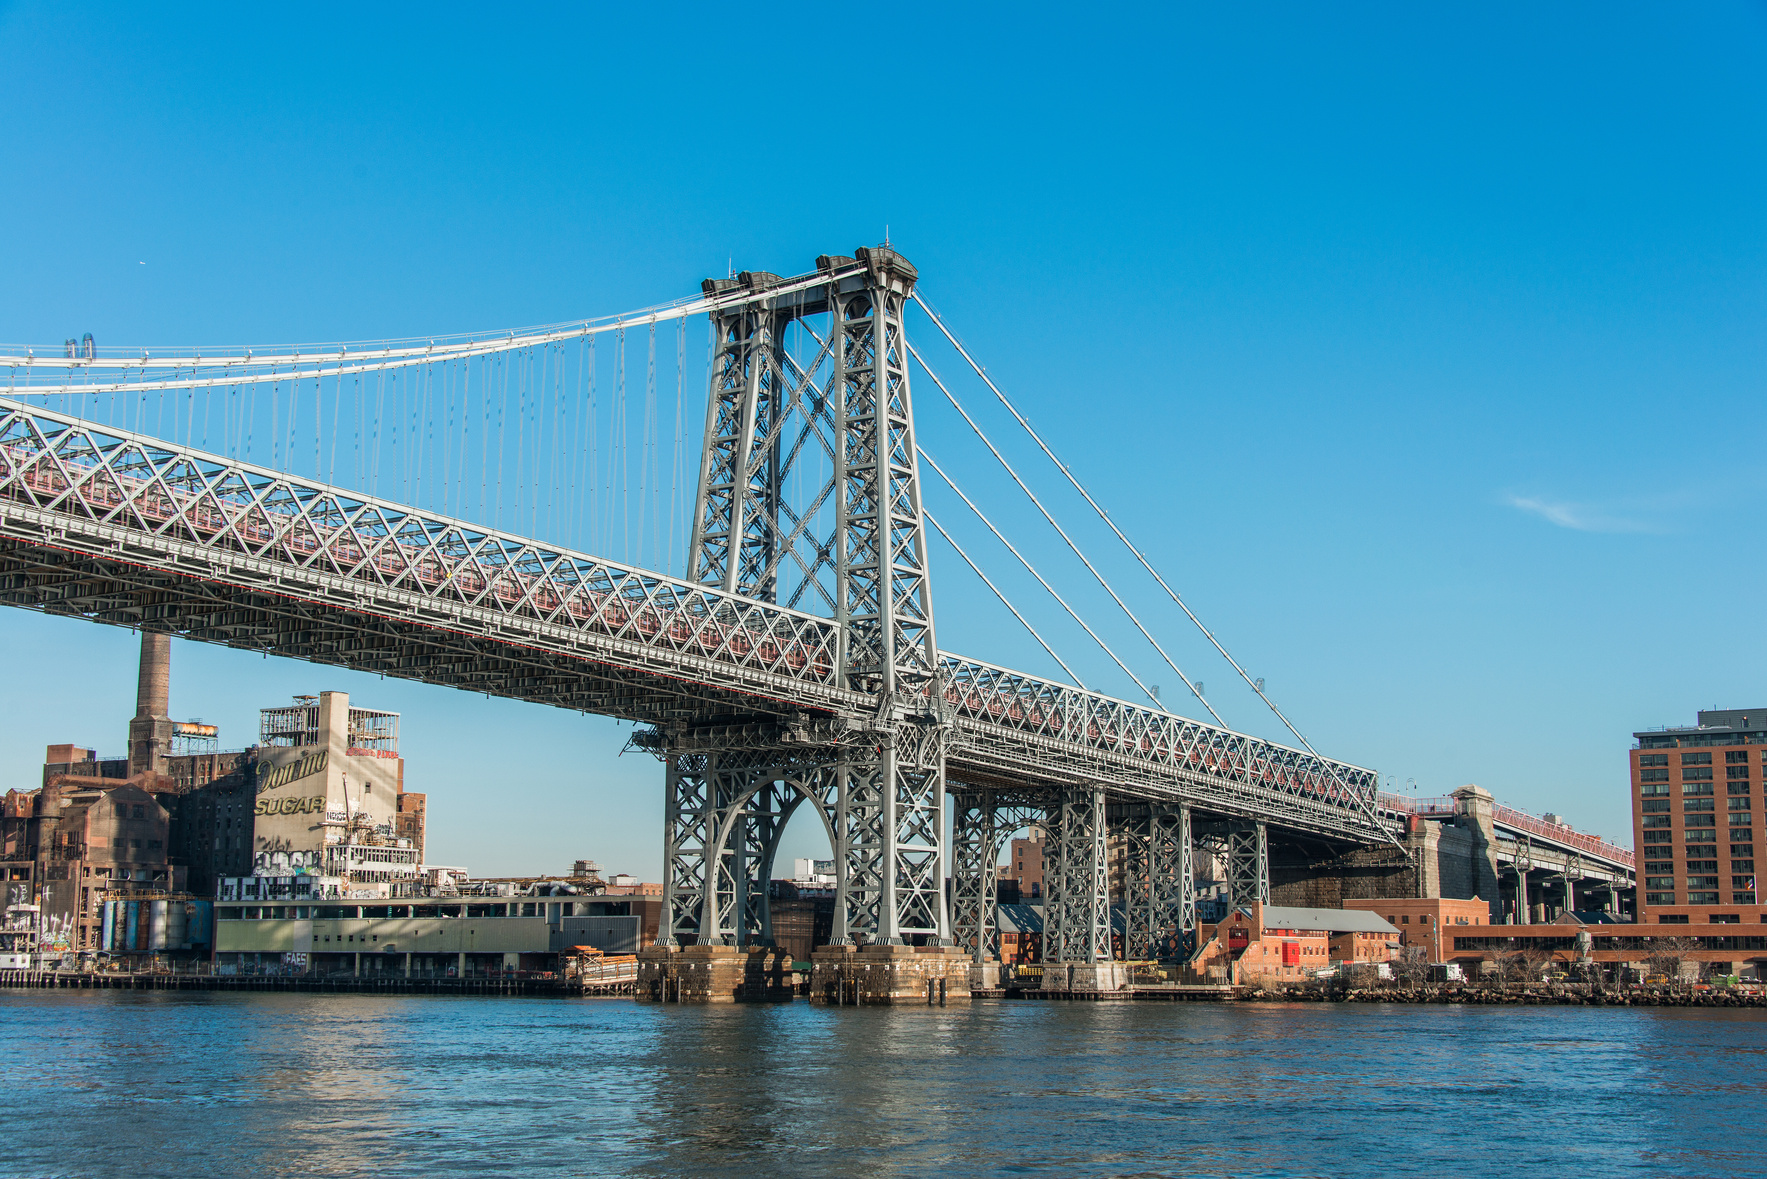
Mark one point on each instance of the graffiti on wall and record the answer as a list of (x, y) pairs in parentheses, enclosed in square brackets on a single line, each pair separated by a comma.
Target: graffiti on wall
[(276, 856)]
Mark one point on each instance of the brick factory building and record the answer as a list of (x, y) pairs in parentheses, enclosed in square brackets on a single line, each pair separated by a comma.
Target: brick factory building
[(1426, 922), (1260, 943)]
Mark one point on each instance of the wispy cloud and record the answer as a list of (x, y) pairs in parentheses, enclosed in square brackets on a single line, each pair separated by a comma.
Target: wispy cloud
[(1581, 517)]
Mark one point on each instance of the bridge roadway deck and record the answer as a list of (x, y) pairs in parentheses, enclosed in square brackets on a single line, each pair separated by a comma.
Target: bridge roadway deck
[(124, 529)]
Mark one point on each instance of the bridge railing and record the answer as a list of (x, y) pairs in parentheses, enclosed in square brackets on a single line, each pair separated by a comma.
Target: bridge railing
[(91, 473), (1594, 845), (1060, 712)]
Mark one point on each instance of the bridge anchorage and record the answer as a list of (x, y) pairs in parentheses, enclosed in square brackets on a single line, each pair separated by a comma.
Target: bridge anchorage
[(796, 662)]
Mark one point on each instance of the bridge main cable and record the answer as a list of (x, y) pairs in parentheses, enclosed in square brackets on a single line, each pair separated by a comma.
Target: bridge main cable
[(332, 360)]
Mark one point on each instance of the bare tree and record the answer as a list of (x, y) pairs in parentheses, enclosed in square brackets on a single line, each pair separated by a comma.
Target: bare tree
[(1666, 955), (1411, 967), (1505, 960), (1535, 959)]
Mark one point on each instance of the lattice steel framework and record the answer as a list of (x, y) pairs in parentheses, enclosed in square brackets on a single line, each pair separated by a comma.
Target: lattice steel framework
[(1159, 897), (852, 541), (1248, 863), (853, 537), (81, 488), (729, 809), (982, 821), (1077, 918)]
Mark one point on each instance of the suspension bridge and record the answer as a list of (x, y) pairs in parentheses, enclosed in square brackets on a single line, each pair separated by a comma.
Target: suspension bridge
[(793, 659)]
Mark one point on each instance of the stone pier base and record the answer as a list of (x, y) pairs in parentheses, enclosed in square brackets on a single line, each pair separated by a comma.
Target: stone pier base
[(713, 974), (1085, 976), (900, 976), (984, 976)]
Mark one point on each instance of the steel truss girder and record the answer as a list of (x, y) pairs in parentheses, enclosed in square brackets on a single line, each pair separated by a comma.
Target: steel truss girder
[(1070, 734), (120, 593), (1076, 907), (76, 485)]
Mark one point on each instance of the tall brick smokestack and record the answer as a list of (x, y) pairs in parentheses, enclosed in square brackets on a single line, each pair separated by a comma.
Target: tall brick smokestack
[(150, 733)]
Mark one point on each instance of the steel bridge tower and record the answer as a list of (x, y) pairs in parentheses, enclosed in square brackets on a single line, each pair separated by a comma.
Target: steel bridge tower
[(809, 497)]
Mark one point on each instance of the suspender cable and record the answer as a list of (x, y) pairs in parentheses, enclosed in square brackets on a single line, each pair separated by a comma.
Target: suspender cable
[(992, 449), (976, 569), (675, 453), (1139, 556), (1105, 647)]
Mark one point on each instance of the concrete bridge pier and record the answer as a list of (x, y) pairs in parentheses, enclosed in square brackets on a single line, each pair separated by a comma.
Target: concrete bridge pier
[(878, 975), (713, 974)]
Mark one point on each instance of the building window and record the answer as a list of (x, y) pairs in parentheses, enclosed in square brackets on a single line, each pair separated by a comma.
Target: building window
[(1742, 898), (1725, 919), (1736, 772), (1659, 806), (139, 814), (1671, 918), (1702, 898), (1659, 866), (1657, 821), (1702, 865), (1696, 788), (1659, 898), (1659, 788), (1698, 804), (1653, 759), (1736, 755), (1702, 882), (1736, 788), (1742, 820), (1696, 759), (1659, 882), (1701, 821), (1653, 775)]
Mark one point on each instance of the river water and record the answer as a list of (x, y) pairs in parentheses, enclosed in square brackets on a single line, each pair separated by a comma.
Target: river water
[(195, 1084)]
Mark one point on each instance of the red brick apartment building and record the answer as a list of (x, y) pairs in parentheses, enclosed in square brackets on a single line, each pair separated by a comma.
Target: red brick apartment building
[(1025, 865), (1696, 814)]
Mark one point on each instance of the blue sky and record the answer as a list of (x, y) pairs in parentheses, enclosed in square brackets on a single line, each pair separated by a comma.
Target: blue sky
[(1420, 348)]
